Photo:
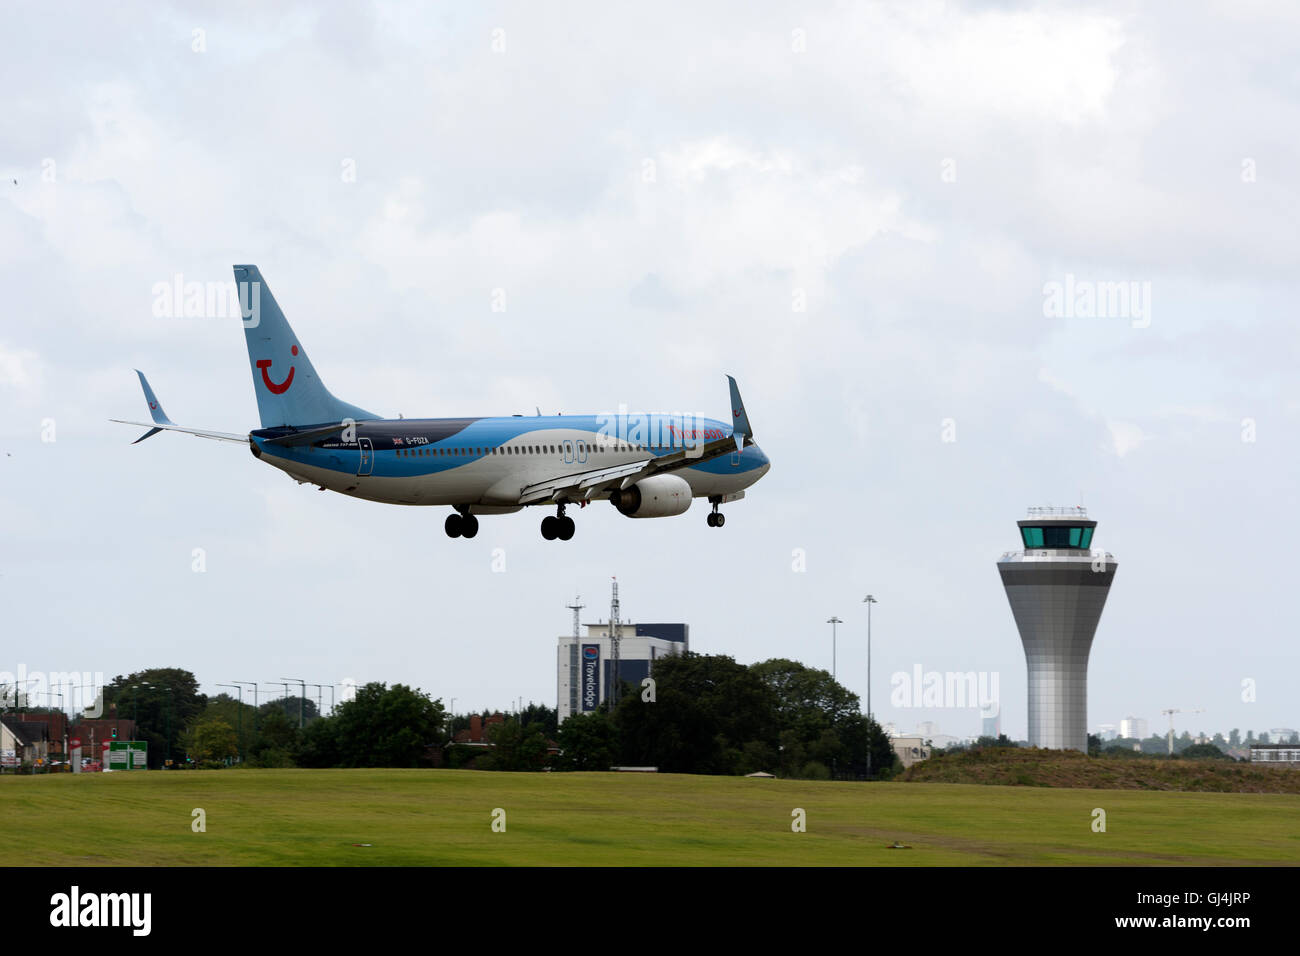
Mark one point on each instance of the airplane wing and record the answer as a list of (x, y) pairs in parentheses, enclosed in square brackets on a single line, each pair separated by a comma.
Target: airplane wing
[(161, 423), (586, 485)]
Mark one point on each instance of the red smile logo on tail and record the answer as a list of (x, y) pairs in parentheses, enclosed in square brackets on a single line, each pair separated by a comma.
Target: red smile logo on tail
[(273, 387)]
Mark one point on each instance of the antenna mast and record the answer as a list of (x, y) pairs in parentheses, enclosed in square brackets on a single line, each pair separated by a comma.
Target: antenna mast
[(614, 637), (575, 607)]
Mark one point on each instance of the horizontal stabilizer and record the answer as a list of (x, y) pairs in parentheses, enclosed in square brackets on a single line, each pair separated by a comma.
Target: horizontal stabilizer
[(161, 423), (200, 432)]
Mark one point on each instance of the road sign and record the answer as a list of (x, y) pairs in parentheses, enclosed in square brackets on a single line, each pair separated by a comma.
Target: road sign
[(126, 754)]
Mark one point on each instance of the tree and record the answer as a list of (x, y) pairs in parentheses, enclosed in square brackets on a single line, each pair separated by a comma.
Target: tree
[(1202, 751), (162, 701), (546, 718), (379, 727), (588, 742), (298, 709), (243, 717), (210, 740), (707, 708), (275, 742), (515, 747), (825, 721)]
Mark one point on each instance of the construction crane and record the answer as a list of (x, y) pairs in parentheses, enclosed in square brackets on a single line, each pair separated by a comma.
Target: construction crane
[(1176, 710)]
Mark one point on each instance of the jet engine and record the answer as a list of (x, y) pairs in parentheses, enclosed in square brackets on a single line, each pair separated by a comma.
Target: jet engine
[(660, 496)]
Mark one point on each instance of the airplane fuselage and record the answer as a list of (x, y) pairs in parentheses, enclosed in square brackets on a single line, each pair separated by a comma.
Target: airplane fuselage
[(483, 464)]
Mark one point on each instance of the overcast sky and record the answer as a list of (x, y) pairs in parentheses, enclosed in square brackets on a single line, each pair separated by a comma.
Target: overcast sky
[(859, 210)]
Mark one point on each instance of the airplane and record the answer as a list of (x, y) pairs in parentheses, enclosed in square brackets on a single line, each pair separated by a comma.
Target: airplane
[(646, 465)]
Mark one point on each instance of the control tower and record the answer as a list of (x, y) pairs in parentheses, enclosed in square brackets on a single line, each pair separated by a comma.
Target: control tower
[(1057, 587)]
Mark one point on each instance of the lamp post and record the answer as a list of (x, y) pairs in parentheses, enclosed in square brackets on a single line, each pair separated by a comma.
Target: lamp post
[(167, 756), (868, 601), (135, 707), (320, 693), (239, 718), (64, 714), (254, 683), (301, 699), (18, 694), (833, 622)]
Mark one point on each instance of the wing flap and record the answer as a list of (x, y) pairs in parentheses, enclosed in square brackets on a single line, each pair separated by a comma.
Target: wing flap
[(586, 484)]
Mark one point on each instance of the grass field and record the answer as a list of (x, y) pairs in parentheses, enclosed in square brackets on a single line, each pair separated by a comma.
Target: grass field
[(432, 817)]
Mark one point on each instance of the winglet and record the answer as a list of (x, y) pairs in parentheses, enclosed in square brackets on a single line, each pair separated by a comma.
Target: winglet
[(740, 421), (155, 406)]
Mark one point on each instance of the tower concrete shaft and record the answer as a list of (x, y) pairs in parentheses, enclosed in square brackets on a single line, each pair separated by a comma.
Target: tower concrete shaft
[(1057, 587)]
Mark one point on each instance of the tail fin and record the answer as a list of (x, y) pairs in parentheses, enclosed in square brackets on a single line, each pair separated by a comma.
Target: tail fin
[(289, 392)]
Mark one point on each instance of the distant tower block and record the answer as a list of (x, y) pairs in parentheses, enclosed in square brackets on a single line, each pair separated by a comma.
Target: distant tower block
[(1057, 588)]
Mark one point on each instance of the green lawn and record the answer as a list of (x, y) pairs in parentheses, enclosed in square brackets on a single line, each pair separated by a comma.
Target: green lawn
[(431, 817)]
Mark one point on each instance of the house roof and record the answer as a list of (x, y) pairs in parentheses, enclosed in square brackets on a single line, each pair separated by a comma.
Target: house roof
[(26, 732)]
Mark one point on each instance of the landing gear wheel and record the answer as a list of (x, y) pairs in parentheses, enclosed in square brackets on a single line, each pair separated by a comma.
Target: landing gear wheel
[(712, 519), (566, 528), (452, 526), (549, 527), (719, 520), (468, 526)]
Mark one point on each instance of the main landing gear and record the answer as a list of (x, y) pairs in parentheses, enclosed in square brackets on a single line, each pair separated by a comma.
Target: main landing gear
[(558, 525), (716, 518), (461, 525)]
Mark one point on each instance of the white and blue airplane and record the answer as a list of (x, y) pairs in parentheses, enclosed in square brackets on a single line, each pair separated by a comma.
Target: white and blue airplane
[(647, 465)]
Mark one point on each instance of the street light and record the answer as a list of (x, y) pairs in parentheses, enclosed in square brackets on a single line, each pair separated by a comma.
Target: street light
[(868, 601), (135, 708), (833, 622), (300, 699), (18, 694), (239, 718), (254, 683), (62, 713)]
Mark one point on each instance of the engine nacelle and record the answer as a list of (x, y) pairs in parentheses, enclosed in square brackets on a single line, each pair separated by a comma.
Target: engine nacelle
[(660, 496)]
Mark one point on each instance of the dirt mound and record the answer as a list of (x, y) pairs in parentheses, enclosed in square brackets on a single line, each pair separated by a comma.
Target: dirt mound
[(1031, 767)]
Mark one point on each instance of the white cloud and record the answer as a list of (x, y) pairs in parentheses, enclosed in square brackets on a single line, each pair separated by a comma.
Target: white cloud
[(1125, 437), (20, 369)]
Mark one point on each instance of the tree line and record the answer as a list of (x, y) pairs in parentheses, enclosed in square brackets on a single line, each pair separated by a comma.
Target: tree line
[(700, 713)]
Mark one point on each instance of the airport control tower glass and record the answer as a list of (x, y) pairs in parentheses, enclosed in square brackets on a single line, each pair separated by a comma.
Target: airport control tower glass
[(1057, 588)]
